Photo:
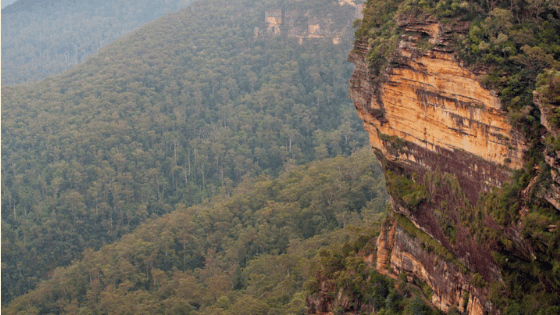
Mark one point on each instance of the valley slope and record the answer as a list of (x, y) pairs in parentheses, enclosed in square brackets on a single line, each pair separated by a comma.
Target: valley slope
[(179, 111)]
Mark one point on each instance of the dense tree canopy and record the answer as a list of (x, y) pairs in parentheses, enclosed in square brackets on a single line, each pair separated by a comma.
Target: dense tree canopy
[(246, 254), (174, 113)]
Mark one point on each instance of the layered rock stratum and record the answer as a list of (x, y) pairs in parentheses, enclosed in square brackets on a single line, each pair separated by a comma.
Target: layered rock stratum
[(430, 120)]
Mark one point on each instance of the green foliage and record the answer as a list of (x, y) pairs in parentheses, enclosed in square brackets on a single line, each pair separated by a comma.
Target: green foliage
[(176, 112), (412, 194), (428, 242), (424, 44), (465, 299), (503, 207), (426, 289), (247, 254), (528, 277), (548, 87), (479, 282), (379, 27), (495, 293), (395, 142), (417, 307)]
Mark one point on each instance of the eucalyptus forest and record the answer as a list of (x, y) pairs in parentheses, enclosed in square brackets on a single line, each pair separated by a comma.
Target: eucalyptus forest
[(185, 111)]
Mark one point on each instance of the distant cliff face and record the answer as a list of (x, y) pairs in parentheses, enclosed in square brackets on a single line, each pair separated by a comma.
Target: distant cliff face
[(331, 22), (445, 138)]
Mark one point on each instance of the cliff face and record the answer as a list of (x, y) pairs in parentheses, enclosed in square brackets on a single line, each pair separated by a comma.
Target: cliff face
[(438, 108), (438, 130), (398, 251), (331, 22)]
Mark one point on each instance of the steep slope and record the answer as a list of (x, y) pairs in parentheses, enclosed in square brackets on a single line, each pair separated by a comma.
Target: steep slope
[(177, 112), (471, 172)]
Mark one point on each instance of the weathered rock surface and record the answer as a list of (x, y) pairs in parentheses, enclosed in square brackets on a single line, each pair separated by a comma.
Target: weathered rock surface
[(438, 108), (403, 253), (429, 114)]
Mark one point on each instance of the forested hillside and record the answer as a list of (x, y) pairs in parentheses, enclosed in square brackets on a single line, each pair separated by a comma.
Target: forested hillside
[(250, 253), (42, 38), (177, 112)]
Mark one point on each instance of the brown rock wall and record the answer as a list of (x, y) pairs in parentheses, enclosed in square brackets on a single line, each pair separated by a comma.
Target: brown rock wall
[(448, 282)]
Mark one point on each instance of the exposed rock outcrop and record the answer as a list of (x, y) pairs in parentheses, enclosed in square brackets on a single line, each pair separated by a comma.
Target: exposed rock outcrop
[(331, 22), (427, 115), (451, 286), (438, 108)]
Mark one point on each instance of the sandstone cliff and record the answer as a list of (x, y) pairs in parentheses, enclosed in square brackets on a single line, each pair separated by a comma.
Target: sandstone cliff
[(331, 22), (444, 140), (438, 108)]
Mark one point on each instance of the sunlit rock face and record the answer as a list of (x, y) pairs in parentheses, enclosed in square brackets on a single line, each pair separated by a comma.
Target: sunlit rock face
[(439, 108), (427, 114)]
